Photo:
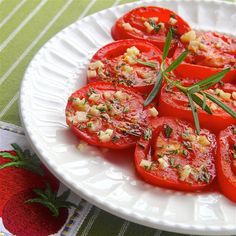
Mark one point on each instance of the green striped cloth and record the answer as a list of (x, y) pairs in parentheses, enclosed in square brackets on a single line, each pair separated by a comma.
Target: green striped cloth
[(25, 25)]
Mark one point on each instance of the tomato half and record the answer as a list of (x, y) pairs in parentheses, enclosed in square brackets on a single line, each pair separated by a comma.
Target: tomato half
[(175, 103), (226, 162), (106, 115), (176, 157), (150, 23), (131, 62), (208, 50)]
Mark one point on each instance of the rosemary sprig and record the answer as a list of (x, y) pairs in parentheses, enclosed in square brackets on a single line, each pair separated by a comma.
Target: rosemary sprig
[(147, 63), (49, 199), (192, 92)]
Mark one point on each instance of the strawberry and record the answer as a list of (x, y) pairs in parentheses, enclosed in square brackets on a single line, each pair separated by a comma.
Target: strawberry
[(19, 170), (36, 213)]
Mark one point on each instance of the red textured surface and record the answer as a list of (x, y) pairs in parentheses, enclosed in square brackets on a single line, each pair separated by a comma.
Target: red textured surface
[(31, 219), (14, 180)]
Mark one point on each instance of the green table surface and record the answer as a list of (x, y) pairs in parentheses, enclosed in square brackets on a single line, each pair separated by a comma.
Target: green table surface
[(25, 25)]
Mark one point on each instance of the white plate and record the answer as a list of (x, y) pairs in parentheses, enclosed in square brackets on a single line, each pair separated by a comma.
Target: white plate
[(108, 180)]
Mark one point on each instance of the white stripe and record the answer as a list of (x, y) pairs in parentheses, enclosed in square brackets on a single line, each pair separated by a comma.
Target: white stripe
[(11, 127), (22, 24), (87, 9), (91, 221), (123, 228), (1, 1), (36, 40), (7, 107), (12, 13), (79, 220), (116, 2)]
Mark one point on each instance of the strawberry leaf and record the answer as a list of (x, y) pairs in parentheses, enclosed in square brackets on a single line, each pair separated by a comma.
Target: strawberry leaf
[(49, 199), (22, 159), (8, 155)]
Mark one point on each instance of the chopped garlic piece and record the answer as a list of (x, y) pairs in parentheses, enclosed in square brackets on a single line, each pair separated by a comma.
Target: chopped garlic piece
[(234, 95), (189, 36), (155, 19), (121, 95), (172, 21), (153, 111), (225, 96), (149, 28), (94, 125), (162, 25), (82, 146), (81, 104), (94, 97), (146, 164), (105, 136), (202, 139), (132, 51), (96, 65), (127, 68), (130, 60), (107, 95), (81, 116), (194, 45), (94, 111), (127, 26), (185, 172), (91, 73), (202, 47), (213, 107), (163, 162)]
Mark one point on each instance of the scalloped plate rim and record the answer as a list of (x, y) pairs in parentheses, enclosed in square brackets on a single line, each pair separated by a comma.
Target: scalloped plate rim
[(159, 224)]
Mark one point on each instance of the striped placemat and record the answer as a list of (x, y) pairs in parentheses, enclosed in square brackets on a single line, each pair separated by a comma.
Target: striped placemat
[(25, 25)]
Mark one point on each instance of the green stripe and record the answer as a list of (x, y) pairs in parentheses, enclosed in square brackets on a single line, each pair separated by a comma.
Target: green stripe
[(100, 5), (101, 225), (16, 19), (127, 1), (139, 230), (6, 7), (12, 115)]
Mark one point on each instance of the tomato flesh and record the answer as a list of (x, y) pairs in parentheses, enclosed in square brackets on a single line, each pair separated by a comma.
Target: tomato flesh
[(225, 164), (209, 52), (182, 160), (120, 62), (175, 103), (106, 115), (160, 19)]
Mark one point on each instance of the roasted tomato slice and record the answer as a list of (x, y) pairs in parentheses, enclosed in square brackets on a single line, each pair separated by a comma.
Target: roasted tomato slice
[(226, 162), (150, 23), (130, 62), (176, 157), (106, 115), (209, 49), (175, 103)]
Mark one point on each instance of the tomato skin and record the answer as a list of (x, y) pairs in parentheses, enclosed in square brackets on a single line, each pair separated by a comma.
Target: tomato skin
[(225, 162), (111, 57), (175, 103), (186, 70), (134, 18), (135, 103), (169, 178)]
